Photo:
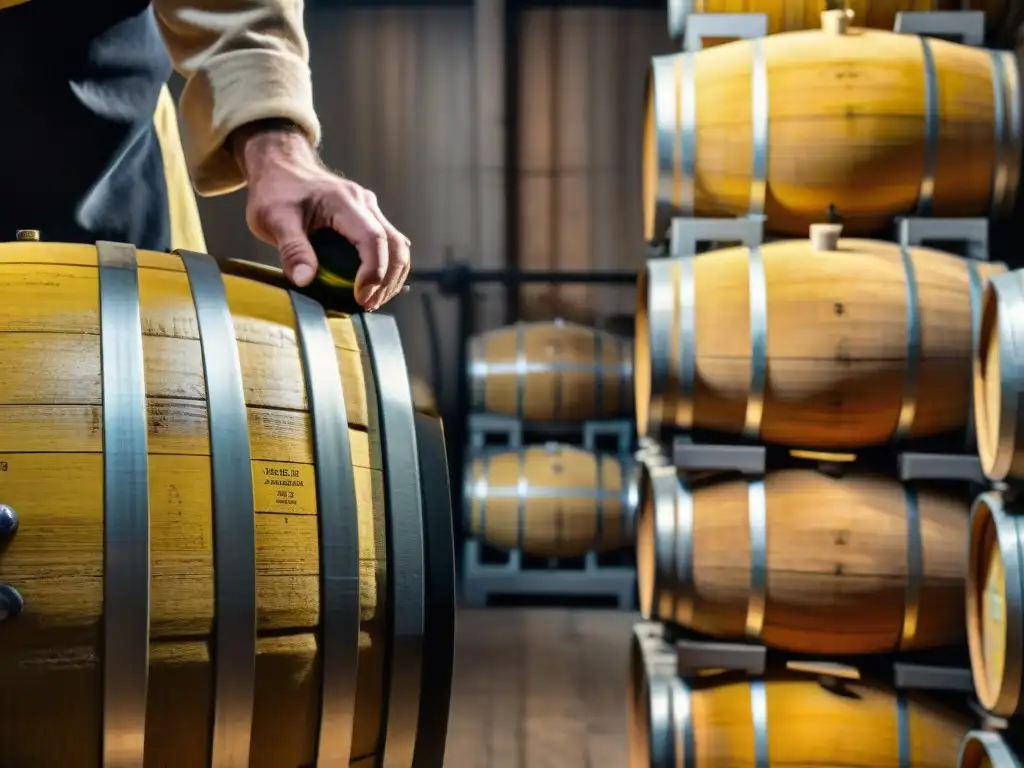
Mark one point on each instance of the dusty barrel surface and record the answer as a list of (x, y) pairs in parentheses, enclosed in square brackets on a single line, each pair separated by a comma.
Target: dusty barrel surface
[(1002, 17), (995, 595), (555, 371), (800, 343), (552, 501), (789, 720), (900, 126), (998, 384), (804, 561), (223, 552)]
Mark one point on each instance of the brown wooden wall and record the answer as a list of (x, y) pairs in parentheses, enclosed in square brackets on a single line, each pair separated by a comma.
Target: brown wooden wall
[(402, 94)]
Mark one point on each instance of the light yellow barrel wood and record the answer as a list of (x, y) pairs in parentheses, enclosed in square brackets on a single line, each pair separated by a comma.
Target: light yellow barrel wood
[(555, 371), (868, 122), (981, 749), (994, 604), (423, 396), (998, 385), (804, 561), (1002, 17), (784, 721), (552, 501), (51, 472), (792, 345)]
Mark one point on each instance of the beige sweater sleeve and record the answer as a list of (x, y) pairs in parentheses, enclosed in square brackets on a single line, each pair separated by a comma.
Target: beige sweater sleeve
[(244, 60)]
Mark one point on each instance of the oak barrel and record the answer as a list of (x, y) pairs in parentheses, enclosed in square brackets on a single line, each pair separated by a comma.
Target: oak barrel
[(552, 371), (788, 720), (552, 500), (984, 749), (807, 343), (219, 556), (804, 561), (1002, 17), (995, 594), (998, 385), (873, 123)]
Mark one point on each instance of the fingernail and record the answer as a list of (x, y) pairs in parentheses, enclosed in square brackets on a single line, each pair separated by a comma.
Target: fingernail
[(407, 241), (303, 275)]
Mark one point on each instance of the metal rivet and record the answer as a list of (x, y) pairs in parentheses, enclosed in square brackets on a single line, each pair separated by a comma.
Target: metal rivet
[(8, 521), (11, 602)]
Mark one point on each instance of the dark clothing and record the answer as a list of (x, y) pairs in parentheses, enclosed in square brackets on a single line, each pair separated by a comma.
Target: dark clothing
[(81, 159)]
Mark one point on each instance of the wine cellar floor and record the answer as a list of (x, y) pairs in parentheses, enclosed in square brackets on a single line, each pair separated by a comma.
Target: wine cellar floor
[(540, 688)]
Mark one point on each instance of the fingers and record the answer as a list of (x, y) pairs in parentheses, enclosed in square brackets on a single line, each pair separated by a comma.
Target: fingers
[(398, 253), (298, 259), (355, 221)]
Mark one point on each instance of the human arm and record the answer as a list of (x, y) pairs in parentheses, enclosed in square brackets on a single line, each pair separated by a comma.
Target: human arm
[(249, 119)]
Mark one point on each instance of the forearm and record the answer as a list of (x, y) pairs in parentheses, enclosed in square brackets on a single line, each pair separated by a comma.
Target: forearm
[(244, 61)]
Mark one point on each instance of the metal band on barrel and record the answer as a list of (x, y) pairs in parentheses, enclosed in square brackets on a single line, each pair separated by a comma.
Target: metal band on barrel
[(406, 598), (661, 327), (522, 491), (908, 406), (759, 718), (126, 574), (521, 370), (759, 128), (663, 502), (915, 569), (338, 519), (758, 288), (439, 642), (686, 341), (974, 293), (478, 371), (234, 517), (926, 190), (1007, 127), (757, 600), (660, 733), (903, 731), (995, 749), (686, 101), (682, 581), (682, 717), (662, 87)]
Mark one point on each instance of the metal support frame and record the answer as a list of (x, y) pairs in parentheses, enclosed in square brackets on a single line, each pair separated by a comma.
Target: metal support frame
[(481, 581), (694, 657), (731, 26), (965, 27)]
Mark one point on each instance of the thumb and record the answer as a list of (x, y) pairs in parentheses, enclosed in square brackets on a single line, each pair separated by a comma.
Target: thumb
[(298, 259)]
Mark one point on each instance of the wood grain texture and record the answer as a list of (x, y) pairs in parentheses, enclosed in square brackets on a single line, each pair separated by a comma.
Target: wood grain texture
[(51, 472), (837, 335), (859, 100)]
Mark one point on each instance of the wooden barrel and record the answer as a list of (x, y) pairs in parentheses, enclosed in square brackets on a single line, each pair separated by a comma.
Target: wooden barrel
[(556, 371), (803, 561), (873, 123), (1002, 17), (995, 593), (998, 387), (220, 550), (983, 749), (847, 346), (423, 399), (790, 720), (552, 500)]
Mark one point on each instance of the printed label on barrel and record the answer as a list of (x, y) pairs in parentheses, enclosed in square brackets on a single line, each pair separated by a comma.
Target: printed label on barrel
[(284, 488)]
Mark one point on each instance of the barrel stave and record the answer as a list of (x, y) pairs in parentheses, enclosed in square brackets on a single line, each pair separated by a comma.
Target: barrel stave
[(51, 391)]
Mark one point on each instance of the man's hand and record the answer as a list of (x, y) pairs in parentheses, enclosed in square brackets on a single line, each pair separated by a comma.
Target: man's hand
[(291, 194)]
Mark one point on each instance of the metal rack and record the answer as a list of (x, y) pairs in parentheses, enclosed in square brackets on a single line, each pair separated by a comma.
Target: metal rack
[(483, 581)]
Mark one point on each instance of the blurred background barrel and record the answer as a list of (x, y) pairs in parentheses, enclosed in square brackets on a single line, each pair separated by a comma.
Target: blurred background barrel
[(557, 371), (552, 500), (899, 125), (994, 604), (1002, 17), (998, 387), (803, 561), (827, 344), (786, 721), (52, 406)]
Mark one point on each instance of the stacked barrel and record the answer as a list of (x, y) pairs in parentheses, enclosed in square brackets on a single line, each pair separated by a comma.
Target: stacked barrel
[(793, 599), (540, 496)]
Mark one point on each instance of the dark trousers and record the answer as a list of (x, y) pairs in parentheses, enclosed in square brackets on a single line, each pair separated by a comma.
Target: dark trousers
[(79, 157)]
